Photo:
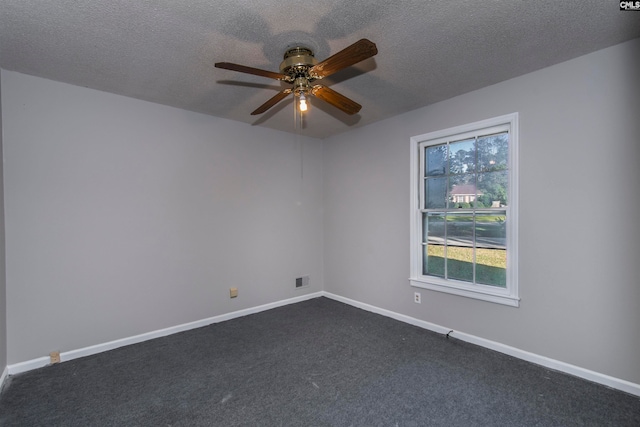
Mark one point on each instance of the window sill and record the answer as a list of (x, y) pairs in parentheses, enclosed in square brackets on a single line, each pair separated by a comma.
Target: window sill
[(479, 294)]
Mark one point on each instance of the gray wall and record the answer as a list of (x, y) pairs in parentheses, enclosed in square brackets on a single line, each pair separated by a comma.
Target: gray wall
[(125, 217), (3, 281), (579, 199)]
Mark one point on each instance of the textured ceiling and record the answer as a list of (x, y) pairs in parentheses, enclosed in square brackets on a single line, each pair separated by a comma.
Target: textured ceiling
[(164, 50)]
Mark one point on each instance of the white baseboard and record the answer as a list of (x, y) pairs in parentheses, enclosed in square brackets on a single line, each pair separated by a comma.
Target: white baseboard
[(4, 375), (387, 313), (609, 381), (577, 371), (99, 348), (27, 365)]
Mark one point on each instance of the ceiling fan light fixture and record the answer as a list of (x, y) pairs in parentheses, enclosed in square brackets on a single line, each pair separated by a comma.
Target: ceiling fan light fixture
[(301, 90), (303, 102), (301, 69)]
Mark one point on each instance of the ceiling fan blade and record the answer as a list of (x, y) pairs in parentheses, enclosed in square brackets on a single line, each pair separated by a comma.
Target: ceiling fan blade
[(251, 70), (272, 101), (359, 51), (337, 100)]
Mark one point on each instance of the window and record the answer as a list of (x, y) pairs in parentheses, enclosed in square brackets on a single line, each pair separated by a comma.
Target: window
[(464, 210)]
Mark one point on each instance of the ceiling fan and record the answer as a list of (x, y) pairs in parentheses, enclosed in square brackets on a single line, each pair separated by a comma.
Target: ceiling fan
[(301, 69)]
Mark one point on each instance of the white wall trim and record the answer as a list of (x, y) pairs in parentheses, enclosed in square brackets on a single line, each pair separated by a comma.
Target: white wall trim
[(27, 365), (5, 374), (609, 381), (547, 362), (40, 362), (392, 314)]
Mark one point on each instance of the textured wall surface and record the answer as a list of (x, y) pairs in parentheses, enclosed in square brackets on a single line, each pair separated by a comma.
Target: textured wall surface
[(579, 236), (125, 217)]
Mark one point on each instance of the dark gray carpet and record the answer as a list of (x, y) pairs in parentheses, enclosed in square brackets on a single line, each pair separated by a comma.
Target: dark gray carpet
[(315, 363)]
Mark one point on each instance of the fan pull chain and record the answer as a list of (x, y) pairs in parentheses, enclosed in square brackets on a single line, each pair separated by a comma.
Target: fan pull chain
[(297, 125)]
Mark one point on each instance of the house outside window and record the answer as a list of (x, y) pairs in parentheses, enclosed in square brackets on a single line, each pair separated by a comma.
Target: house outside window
[(465, 193), (464, 210)]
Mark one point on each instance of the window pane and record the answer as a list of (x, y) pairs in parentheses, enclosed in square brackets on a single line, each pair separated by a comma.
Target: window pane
[(493, 152), (463, 210), (462, 191), (435, 192), (433, 244), (491, 253), (492, 189), (462, 156), (460, 247), (436, 160)]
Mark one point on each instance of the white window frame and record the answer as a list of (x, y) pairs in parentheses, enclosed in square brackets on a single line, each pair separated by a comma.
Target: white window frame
[(507, 295)]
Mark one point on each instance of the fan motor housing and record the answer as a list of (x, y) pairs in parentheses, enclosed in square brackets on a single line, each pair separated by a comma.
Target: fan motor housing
[(297, 62)]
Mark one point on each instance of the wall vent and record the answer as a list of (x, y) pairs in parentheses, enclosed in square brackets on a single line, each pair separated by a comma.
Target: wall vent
[(301, 282)]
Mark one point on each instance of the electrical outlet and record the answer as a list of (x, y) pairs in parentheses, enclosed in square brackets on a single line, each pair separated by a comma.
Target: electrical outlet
[(233, 292), (54, 357), (416, 297)]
